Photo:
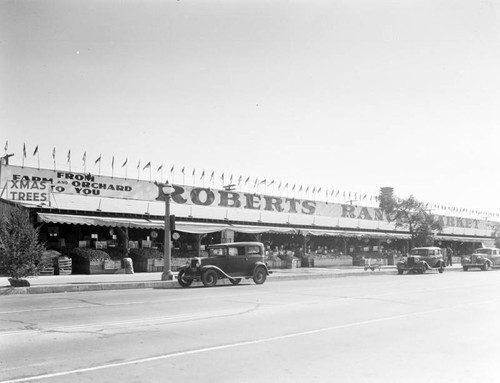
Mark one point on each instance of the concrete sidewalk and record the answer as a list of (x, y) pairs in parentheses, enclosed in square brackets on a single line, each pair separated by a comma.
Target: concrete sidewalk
[(97, 282)]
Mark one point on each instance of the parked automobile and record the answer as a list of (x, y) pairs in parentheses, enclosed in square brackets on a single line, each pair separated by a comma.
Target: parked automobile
[(421, 259), (233, 261), (483, 258)]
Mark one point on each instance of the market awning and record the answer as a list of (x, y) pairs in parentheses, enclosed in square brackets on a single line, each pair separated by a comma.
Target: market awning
[(97, 221), (353, 234), (199, 227), (187, 227), (251, 229), (455, 238)]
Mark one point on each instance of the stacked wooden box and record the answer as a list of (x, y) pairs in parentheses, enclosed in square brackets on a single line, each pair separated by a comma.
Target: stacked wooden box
[(64, 266)]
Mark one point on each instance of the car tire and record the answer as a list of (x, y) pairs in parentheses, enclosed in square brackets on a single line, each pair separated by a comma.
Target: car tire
[(235, 281), (183, 281), (259, 275), (465, 268), (486, 266), (209, 278), (441, 269), (400, 271)]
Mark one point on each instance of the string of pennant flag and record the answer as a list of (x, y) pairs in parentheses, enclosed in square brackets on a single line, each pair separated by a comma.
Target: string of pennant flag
[(248, 184)]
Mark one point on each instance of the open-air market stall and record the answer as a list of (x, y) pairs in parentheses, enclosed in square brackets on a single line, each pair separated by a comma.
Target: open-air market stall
[(124, 217)]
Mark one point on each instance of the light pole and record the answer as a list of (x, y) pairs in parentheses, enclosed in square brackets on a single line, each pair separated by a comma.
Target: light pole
[(167, 272)]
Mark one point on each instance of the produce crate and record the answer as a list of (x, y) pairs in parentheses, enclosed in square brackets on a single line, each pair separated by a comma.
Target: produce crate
[(152, 265), (47, 271), (276, 264), (112, 265), (64, 266), (97, 267)]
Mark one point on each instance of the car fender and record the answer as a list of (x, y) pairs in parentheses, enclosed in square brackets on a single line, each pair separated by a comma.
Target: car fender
[(258, 264), (219, 271), (424, 263)]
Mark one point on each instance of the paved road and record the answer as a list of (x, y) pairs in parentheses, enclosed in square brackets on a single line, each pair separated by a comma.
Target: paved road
[(380, 328)]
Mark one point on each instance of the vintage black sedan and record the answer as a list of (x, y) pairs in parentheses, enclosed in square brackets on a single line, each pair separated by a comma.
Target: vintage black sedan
[(233, 261), (421, 259), (484, 258)]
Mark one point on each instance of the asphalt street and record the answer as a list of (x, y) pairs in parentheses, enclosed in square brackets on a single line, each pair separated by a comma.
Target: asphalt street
[(378, 328)]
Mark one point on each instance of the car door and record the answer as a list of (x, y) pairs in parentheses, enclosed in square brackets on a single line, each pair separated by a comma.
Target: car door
[(495, 257), (433, 256), (236, 261), (218, 257)]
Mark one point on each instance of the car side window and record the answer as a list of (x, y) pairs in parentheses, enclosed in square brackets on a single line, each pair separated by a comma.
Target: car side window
[(253, 250), (232, 251), (217, 252)]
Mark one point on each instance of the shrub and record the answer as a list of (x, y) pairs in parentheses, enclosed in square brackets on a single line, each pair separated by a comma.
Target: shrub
[(84, 253), (20, 250), (145, 253)]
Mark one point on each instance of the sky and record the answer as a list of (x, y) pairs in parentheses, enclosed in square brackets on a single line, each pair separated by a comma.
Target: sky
[(349, 95)]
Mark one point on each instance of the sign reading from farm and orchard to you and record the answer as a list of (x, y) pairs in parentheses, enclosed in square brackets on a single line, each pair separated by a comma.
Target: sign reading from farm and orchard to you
[(36, 186)]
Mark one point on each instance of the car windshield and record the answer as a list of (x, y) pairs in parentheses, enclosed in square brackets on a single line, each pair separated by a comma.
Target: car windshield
[(421, 252), (483, 251)]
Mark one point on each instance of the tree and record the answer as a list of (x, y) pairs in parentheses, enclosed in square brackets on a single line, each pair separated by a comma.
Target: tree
[(412, 215), (20, 250)]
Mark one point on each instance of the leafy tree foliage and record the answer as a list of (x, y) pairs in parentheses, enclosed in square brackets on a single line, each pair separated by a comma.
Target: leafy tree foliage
[(20, 250), (412, 215), (496, 234)]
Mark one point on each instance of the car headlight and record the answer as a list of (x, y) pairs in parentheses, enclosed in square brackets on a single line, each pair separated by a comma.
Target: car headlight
[(195, 262)]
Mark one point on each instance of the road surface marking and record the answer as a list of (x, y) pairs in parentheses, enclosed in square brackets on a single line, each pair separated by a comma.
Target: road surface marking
[(239, 344)]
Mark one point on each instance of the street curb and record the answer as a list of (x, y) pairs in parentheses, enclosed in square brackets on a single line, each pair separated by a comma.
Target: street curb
[(85, 287)]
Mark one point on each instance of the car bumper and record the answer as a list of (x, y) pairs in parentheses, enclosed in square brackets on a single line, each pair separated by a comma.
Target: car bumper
[(473, 264)]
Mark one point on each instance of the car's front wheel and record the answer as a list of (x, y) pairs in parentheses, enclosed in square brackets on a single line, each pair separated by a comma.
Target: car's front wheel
[(400, 271), (441, 269), (259, 275), (465, 268), (209, 278), (183, 281), (486, 266)]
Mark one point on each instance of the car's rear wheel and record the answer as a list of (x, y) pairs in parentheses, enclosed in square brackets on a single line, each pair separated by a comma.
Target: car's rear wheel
[(209, 278), (235, 281), (259, 275), (183, 281), (465, 268)]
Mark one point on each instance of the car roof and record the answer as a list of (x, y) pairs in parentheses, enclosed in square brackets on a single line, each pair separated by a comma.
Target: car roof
[(489, 248), (236, 244), (427, 248)]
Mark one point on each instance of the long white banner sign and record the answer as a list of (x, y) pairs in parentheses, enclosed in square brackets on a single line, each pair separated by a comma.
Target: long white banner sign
[(35, 185), (29, 184)]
